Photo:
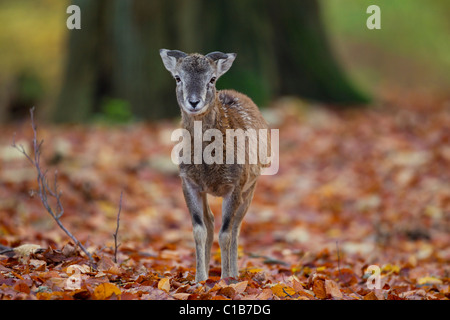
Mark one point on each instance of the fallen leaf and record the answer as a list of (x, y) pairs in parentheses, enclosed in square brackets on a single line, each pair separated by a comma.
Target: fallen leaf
[(69, 250), (370, 296), (39, 265), (253, 270), (57, 295), (21, 286), (319, 288), (265, 294), (240, 286), (181, 296), (26, 249), (389, 268), (347, 276), (105, 263), (106, 290), (227, 292), (428, 280), (73, 282), (53, 256), (282, 290), (332, 289), (164, 284), (76, 268)]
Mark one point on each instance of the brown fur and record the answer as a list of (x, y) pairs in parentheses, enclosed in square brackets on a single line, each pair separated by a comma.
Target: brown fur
[(226, 113), (227, 109)]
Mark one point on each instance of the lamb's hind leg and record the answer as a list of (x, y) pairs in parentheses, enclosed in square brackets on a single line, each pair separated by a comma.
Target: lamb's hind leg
[(209, 222), (239, 216), (234, 208)]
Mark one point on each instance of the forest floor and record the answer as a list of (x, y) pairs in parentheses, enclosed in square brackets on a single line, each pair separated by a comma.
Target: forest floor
[(355, 188)]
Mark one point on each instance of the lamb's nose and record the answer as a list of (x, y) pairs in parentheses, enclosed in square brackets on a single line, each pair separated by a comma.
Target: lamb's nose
[(194, 103)]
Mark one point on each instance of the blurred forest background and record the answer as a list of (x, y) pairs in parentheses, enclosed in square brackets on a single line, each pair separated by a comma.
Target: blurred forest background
[(363, 117), (317, 49)]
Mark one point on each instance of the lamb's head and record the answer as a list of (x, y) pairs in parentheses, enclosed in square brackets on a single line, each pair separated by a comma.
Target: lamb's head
[(196, 77)]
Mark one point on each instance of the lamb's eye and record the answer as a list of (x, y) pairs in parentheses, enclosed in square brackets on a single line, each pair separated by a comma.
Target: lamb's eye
[(213, 79), (177, 79)]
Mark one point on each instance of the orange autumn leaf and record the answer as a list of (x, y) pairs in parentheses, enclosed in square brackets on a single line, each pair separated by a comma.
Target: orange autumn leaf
[(21, 286), (370, 296), (164, 284), (105, 291), (319, 289), (282, 290), (57, 295)]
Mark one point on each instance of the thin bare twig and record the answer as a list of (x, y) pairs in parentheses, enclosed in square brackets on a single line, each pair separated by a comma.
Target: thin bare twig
[(339, 259), (44, 190), (116, 234)]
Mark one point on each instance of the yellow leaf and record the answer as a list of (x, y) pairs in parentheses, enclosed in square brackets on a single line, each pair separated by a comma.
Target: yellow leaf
[(428, 280), (253, 270), (282, 290), (322, 268), (109, 209), (105, 290), (164, 284), (389, 268)]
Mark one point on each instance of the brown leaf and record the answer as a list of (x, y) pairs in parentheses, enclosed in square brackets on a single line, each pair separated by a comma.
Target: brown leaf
[(53, 256), (82, 294), (227, 292), (347, 276), (105, 263), (370, 296), (319, 288), (57, 295), (332, 289), (69, 250), (240, 286), (265, 294), (21, 286)]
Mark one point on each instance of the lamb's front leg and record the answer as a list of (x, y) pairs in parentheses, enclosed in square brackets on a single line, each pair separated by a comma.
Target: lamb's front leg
[(194, 203)]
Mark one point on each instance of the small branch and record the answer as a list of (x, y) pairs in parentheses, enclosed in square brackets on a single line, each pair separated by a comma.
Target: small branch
[(339, 259), (116, 234), (44, 190)]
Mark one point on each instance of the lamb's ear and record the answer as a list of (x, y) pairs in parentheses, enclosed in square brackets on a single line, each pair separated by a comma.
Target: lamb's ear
[(170, 58), (223, 61)]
